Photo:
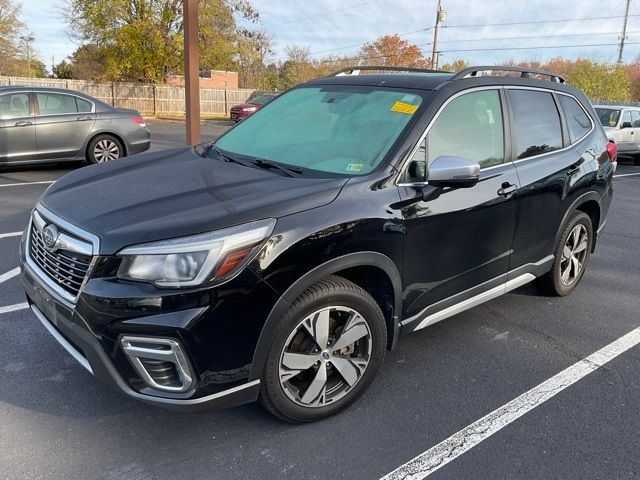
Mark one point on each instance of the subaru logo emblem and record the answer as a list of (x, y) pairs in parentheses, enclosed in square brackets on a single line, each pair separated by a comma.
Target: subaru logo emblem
[(50, 236), (325, 355)]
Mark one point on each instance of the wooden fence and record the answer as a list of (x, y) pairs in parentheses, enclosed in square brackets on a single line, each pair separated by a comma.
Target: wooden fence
[(156, 100)]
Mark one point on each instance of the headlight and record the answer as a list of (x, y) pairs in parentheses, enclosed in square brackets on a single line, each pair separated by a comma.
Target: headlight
[(187, 261)]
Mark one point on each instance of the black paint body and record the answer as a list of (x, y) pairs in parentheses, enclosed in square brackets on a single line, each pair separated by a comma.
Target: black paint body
[(413, 256)]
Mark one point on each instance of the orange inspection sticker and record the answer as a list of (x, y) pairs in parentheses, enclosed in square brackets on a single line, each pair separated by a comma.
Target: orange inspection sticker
[(404, 108)]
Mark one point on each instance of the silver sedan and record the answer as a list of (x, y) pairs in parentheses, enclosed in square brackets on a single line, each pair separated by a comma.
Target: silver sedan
[(51, 124)]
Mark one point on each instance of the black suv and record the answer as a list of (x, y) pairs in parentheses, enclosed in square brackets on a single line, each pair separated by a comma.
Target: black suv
[(281, 261)]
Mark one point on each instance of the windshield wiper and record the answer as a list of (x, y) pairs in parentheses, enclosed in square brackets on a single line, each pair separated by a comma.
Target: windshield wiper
[(227, 158), (267, 164)]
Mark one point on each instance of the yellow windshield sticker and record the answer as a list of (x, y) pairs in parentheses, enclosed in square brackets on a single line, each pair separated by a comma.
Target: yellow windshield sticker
[(404, 108), (354, 167)]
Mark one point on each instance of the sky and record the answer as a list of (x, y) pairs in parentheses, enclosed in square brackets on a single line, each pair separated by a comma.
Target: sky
[(327, 26)]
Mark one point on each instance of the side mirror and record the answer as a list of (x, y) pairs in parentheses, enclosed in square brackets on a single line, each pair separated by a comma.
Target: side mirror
[(453, 172), (625, 125)]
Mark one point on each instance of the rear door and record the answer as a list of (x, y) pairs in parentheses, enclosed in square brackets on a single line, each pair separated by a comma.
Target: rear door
[(459, 243), (63, 123), (549, 168), (17, 128), (626, 135), (635, 130)]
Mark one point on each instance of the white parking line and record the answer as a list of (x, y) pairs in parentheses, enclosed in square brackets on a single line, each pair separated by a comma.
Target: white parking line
[(626, 175), (12, 234), (13, 308), (25, 183), (10, 274), (448, 450)]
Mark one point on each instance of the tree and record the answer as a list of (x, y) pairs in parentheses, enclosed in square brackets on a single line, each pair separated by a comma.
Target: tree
[(141, 40), (456, 66), (391, 50), (600, 81), (10, 29), (64, 70)]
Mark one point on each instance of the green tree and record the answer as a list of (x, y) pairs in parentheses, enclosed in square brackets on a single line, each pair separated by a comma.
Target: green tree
[(10, 29), (455, 66), (64, 70), (600, 81), (141, 40)]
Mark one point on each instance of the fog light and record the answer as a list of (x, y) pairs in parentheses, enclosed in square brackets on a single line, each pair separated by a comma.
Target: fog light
[(160, 362)]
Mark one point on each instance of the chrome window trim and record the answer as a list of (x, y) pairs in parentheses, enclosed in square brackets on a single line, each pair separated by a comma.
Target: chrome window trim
[(415, 148), (93, 105)]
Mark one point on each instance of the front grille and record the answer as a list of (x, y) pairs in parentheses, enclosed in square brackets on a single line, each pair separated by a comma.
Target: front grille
[(162, 372), (65, 268)]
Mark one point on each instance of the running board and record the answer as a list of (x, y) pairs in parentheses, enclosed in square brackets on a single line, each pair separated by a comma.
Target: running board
[(477, 300)]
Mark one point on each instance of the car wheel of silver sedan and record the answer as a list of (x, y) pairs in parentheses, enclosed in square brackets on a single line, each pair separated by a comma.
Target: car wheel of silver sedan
[(329, 348), (104, 148)]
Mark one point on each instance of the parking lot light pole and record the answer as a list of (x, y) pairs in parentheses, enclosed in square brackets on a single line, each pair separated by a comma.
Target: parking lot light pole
[(191, 71)]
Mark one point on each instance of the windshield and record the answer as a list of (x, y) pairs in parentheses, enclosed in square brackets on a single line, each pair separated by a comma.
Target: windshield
[(335, 129), (261, 99), (608, 116)]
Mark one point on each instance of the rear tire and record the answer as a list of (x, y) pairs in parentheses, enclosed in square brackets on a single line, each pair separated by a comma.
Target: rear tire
[(571, 257), (104, 148), (313, 372)]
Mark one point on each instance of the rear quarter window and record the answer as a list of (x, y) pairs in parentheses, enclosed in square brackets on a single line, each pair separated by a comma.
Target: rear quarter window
[(578, 122)]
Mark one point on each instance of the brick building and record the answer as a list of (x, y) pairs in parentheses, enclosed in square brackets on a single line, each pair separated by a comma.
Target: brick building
[(209, 79)]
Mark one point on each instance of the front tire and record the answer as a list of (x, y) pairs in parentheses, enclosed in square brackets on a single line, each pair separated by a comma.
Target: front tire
[(104, 148), (328, 349), (571, 256)]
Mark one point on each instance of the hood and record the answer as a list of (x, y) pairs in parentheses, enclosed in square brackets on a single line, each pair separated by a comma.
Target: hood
[(173, 193)]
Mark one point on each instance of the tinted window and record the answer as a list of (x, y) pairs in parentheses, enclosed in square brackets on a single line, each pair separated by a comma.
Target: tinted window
[(536, 123), (56, 104), (635, 118), (83, 105), (608, 116), (331, 129), (14, 105), (577, 120)]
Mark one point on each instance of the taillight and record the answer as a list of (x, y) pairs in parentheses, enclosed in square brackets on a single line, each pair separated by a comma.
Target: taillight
[(612, 151), (139, 120)]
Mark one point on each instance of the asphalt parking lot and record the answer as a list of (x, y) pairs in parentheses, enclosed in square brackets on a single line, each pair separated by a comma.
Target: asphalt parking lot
[(57, 422)]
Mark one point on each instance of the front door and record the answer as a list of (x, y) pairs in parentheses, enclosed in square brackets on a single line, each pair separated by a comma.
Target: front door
[(63, 123), (17, 128), (458, 245)]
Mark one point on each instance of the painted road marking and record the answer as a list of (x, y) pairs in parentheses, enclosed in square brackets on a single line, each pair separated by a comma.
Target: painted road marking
[(12, 234), (13, 308), (26, 183), (448, 450), (10, 274), (626, 175)]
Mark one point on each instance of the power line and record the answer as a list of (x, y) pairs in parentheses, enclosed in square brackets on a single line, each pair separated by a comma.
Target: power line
[(535, 22), (538, 47), (363, 43), (527, 37)]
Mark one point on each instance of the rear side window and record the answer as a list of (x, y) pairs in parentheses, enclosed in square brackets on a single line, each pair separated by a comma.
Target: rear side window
[(626, 119), (578, 121), (56, 104), (14, 105), (536, 123), (83, 105), (635, 118)]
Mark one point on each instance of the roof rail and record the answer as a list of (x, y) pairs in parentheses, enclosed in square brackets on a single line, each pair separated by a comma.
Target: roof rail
[(356, 70), (524, 72)]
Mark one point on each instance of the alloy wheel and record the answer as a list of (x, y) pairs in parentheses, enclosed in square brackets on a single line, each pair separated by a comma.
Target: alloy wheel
[(325, 356), (574, 254), (106, 150)]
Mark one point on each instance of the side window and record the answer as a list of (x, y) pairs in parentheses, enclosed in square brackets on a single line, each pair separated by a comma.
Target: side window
[(83, 105), (56, 103), (578, 121), (635, 118), (626, 119), (536, 123), (14, 105)]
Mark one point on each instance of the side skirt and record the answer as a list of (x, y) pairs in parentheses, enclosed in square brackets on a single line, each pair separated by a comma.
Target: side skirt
[(470, 298)]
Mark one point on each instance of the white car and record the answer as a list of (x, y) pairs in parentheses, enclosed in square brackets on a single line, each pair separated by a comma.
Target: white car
[(622, 126)]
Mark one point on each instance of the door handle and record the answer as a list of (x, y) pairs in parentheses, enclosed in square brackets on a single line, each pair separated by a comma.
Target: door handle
[(507, 189), (23, 123), (83, 118)]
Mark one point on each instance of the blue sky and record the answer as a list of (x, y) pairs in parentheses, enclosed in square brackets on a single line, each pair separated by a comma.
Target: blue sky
[(331, 24)]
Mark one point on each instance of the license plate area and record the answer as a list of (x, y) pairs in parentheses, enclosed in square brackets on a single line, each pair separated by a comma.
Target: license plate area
[(45, 303)]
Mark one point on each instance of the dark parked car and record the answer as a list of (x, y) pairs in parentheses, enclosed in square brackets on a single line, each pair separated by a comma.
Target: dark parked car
[(242, 111), (51, 124), (282, 260)]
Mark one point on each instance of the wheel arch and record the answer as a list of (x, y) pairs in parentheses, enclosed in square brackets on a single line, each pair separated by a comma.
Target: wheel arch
[(111, 133), (588, 203), (374, 272)]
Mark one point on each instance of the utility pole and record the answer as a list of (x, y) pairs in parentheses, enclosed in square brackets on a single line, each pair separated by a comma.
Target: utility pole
[(441, 16), (27, 40), (624, 32), (191, 71)]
